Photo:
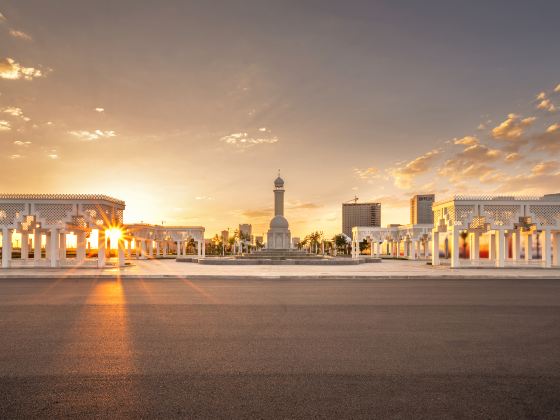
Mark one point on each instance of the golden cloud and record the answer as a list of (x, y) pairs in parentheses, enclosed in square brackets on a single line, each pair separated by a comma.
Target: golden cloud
[(20, 35), (10, 69), (512, 128)]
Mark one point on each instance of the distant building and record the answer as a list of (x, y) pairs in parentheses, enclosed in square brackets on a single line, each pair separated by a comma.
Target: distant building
[(295, 242), (360, 214), (246, 230), (421, 209), (225, 236)]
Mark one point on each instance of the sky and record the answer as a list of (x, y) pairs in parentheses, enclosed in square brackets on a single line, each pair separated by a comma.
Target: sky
[(186, 110)]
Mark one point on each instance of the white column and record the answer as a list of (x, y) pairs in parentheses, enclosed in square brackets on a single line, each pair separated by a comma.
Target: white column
[(475, 246), (528, 247), (6, 247), (37, 245), (492, 246), (556, 249), (500, 248), (80, 246), (101, 248), (185, 247), (121, 252), (516, 246), (198, 248), (547, 248), (54, 247), (203, 248), (24, 245), (414, 254), (157, 249), (47, 245), (62, 247), (143, 249), (178, 248), (165, 249), (435, 248), (129, 248), (150, 248), (454, 236)]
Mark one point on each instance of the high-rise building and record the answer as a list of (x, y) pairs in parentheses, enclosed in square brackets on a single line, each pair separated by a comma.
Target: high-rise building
[(360, 214), (421, 209), (246, 231), (225, 236)]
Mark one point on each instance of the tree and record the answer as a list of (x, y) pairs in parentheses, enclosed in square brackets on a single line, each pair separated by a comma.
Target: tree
[(340, 242)]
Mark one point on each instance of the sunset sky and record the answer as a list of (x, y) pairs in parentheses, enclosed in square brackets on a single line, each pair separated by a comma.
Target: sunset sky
[(186, 110)]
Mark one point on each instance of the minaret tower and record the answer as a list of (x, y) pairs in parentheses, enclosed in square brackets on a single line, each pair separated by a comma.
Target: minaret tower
[(279, 196), (278, 236)]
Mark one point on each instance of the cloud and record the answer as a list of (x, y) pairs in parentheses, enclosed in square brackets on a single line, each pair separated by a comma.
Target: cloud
[(16, 156), (5, 125), (557, 88), (15, 112), (244, 140), (543, 177), (547, 105), (549, 141), (512, 128), (20, 35), (22, 143), (541, 96), (263, 129), (258, 213), (368, 173), (53, 154), (98, 109), (471, 162), (10, 69), (512, 157), (92, 135), (404, 175), (306, 206), (203, 197), (2, 18), (554, 127)]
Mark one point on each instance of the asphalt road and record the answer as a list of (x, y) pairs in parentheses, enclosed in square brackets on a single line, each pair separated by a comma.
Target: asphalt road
[(280, 348)]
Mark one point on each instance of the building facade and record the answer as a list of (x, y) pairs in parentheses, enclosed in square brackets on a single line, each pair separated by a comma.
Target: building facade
[(421, 209), (496, 231), (360, 214)]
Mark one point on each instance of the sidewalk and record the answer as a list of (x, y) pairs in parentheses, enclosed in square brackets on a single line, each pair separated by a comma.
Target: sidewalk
[(385, 269)]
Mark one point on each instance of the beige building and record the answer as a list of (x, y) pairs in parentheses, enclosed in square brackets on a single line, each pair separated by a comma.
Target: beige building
[(360, 214), (421, 209)]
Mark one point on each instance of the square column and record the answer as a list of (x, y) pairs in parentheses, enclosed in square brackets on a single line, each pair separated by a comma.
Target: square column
[(81, 246), (198, 248), (475, 246), (121, 249), (143, 249), (492, 247), (413, 246), (556, 248), (157, 249), (435, 248), (24, 245), (500, 239), (6, 247), (37, 245), (54, 247), (516, 246), (101, 248), (178, 248), (129, 248), (547, 248), (203, 248), (454, 234), (165, 249), (528, 247), (62, 247)]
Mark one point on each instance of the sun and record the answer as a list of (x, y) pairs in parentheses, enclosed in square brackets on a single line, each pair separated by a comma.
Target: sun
[(114, 234)]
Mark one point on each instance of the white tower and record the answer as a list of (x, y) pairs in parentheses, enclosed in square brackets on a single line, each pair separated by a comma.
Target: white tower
[(278, 236)]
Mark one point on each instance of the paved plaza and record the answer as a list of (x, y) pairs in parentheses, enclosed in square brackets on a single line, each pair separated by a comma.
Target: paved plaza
[(247, 347), (387, 269)]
